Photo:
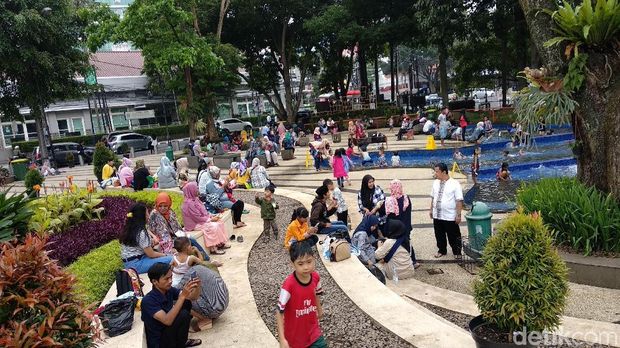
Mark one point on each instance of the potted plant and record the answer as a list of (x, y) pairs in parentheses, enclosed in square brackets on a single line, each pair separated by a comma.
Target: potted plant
[(522, 288)]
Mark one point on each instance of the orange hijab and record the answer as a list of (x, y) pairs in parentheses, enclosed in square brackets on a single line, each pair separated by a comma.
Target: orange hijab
[(164, 198)]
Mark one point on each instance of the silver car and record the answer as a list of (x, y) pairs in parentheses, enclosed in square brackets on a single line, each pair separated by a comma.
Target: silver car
[(135, 140), (234, 125)]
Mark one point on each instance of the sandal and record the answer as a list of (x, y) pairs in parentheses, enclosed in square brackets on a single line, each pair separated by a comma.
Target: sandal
[(245, 211), (194, 326), (439, 255), (225, 246), (218, 252), (233, 237), (240, 239), (193, 342)]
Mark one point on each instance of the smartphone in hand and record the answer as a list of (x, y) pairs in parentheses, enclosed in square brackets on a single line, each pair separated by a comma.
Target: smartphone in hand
[(193, 275)]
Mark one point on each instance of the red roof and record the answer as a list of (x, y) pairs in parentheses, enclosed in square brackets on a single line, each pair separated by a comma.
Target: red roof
[(115, 64)]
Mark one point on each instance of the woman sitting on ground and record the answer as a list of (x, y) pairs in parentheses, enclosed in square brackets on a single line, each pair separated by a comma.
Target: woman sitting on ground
[(136, 244), (141, 176), (163, 223), (320, 213), (197, 218), (393, 259), (370, 199), (298, 229), (213, 299), (215, 188), (364, 237), (398, 207), (182, 165), (125, 173), (166, 175), (258, 173)]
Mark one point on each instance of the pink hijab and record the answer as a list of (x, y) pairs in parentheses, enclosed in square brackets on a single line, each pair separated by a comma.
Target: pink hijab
[(391, 203), (194, 211)]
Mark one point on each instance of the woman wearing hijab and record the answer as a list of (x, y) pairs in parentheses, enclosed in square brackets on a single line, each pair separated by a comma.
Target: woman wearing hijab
[(370, 199), (216, 189), (258, 173), (182, 165), (125, 173), (392, 256), (364, 236), (270, 152), (317, 134), (197, 218), (197, 148), (288, 143), (395, 229), (281, 132), (163, 223), (141, 176), (166, 175)]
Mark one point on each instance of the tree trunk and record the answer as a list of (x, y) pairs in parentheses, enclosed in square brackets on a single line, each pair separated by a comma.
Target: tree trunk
[(35, 110), (191, 116), (392, 90), (595, 120), (220, 24), (443, 73), (377, 87), (363, 73), (504, 72), (211, 131)]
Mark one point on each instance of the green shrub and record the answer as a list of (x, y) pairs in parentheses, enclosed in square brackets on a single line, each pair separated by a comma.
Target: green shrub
[(580, 217), (148, 198), (57, 212), (15, 213), (94, 272), (101, 156), (523, 282), (33, 177)]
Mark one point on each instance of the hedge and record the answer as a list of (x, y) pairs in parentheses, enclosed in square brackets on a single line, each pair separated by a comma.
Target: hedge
[(177, 131), (94, 272)]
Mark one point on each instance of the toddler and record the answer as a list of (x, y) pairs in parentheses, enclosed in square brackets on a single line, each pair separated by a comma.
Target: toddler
[(268, 208), (395, 159), (342, 211), (382, 160), (365, 155), (186, 257)]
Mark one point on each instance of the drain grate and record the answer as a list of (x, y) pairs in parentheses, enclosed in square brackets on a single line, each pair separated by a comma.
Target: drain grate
[(434, 271)]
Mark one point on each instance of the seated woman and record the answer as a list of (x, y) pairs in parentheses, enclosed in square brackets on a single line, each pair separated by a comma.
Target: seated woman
[(258, 173), (288, 143), (298, 229), (364, 236), (197, 218), (182, 165), (477, 133), (141, 176), (125, 173), (163, 223), (393, 260), (213, 298), (317, 134), (215, 188), (320, 213), (398, 207), (241, 174), (370, 199), (269, 150), (166, 175), (136, 244)]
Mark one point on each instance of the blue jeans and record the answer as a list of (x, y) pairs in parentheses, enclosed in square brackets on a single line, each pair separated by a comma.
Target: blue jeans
[(200, 249), (143, 264), (336, 226)]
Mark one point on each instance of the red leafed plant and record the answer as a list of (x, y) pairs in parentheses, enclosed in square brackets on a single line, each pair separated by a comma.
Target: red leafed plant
[(37, 306)]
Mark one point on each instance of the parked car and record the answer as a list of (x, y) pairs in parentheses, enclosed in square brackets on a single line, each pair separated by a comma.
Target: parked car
[(434, 99), (135, 140), (233, 125), (61, 150)]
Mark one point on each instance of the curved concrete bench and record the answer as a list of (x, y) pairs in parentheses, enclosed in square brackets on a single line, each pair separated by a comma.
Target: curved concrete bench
[(410, 321)]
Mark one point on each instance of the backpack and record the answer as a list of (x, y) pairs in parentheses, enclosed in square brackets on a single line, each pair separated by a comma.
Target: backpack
[(129, 280), (340, 250)]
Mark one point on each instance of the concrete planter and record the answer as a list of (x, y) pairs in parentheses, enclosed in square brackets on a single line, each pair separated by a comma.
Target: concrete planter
[(224, 161), (288, 154), (303, 141), (263, 160), (336, 138), (193, 162), (592, 270)]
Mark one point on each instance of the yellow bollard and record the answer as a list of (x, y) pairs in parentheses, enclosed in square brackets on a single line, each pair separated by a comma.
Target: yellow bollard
[(430, 143), (308, 159)]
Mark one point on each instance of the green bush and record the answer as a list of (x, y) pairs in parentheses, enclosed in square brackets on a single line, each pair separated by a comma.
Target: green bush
[(101, 156), (148, 198), (33, 177), (580, 217), (57, 212), (15, 213), (523, 282), (94, 272)]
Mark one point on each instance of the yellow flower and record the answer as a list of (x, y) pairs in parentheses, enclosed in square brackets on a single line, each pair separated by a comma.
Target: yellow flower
[(36, 188), (129, 215)]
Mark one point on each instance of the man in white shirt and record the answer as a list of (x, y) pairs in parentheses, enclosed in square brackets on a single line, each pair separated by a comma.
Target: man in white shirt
[(429, 127), (446, 206)]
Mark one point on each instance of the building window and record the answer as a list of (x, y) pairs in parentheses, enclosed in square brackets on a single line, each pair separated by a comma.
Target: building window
[(63, 126)]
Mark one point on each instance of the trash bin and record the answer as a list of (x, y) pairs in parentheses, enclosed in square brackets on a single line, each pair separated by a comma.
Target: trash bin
[(479, 225), (170, 153), (20, 168)]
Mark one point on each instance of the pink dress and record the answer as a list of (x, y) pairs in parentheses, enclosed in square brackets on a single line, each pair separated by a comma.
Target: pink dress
[(338, 165), (197, 218)]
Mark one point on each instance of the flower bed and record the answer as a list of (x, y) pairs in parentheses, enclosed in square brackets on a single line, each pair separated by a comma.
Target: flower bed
[(78, 240), (94, 272), (148, 198)]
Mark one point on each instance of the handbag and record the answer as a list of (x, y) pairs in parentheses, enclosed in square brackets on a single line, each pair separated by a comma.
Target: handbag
[(340, 250)]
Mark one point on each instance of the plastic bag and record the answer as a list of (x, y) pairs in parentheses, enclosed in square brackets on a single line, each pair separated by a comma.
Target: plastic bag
[(117, 316)]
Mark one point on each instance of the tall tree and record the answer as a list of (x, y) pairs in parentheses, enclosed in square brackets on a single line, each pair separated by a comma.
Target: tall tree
[(595, 120), (41, 54)]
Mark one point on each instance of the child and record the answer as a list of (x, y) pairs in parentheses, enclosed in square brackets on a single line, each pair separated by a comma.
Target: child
[(365, 155), (298, 229), (316, 155), (338, 168), (182, 180), (457, 154), (182, 260), (299, 308), (268, 208), (348, 165), (382, 160), (395, 159), (475, 165), (391, 123), (503, 174), (342, 212)]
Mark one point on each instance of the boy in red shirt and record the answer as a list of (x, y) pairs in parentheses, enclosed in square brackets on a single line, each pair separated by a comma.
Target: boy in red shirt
[(299, 308)]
